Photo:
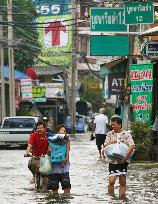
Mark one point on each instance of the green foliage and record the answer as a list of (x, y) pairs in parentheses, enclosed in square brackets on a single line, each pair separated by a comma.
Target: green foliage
[(25, 36), (91, 91), (141, 134)]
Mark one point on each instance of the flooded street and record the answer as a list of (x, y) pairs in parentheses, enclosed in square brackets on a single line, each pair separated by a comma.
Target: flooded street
[(88, 175)]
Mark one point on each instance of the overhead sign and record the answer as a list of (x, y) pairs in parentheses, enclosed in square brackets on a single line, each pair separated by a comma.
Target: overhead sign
[(116, 83), (139, 13), (107, 20), (102, 45), (141, 76), (150, 50)]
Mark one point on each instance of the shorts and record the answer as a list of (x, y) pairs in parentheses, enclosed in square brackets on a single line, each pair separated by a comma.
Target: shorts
[(100, 139), (54, 179), (118, 169)]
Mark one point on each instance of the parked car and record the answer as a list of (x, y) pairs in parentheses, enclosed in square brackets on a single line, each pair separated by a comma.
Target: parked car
[(15, 131)]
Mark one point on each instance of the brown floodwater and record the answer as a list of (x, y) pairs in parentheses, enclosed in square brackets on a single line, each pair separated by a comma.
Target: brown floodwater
[(89, 178)]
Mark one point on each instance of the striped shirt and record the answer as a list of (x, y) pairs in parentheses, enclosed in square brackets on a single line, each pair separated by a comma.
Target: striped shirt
[(124, 136)]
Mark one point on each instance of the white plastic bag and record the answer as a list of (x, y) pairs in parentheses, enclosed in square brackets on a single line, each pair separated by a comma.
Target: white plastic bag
[(117, 151), (45, 165)]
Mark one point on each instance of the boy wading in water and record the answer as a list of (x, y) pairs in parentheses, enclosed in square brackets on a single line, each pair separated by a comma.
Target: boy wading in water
[(118, 168), (59, 146)]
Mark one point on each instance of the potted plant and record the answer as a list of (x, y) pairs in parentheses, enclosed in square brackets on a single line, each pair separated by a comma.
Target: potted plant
[(141, 134)]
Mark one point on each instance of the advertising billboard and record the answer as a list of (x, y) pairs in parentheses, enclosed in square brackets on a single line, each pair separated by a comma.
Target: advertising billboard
[(55, 32)]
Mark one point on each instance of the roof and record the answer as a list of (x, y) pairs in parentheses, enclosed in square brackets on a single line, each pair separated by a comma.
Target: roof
[(151, 31), (49, 70), (18, 75), (85, 66), (113, 63)]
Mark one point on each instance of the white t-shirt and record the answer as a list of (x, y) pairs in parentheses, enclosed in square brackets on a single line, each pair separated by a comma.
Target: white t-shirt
[(101, 122)]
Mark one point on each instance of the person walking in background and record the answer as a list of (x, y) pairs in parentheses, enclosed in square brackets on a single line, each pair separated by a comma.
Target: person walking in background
[(100, 129), (37, 114), (47, 126), (61, 117), (118, 167), (51, 124)]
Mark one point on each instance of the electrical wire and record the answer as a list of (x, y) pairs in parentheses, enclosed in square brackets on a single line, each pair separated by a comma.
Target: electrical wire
[(36, 23)]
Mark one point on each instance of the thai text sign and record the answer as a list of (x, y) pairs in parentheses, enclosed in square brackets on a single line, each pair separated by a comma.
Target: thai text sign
[(141, 90), (26, 89), (139, 13), (107, 20)]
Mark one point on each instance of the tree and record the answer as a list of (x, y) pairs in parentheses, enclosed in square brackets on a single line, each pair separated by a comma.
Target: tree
[(90, 91), (25, 35)]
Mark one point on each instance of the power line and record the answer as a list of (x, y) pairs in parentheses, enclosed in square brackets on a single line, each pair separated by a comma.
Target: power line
[(36, 23)]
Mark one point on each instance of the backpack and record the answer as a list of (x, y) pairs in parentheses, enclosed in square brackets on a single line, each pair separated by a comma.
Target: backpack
[(58, 152)]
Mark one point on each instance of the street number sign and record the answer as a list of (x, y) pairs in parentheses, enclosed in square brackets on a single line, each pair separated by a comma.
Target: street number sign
[(107, 20), (139, 13)]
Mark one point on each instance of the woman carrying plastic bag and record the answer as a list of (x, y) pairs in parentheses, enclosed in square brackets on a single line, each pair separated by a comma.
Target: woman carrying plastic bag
[(119, 146)]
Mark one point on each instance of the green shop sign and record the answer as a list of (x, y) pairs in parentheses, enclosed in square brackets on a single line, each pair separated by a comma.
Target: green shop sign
[(141, 91), (39, 93)]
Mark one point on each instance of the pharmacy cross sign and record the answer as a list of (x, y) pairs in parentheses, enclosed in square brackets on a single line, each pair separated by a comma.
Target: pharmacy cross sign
[(55, 28), (139, 13)]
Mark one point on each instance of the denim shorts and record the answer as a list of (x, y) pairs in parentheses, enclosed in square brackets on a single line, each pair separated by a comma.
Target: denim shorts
[(54, 179)]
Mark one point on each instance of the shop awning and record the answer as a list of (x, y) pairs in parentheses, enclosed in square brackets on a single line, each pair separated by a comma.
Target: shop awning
[(18, 75)]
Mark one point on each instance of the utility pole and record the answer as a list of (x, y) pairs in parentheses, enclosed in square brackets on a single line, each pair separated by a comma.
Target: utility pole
[(126, 111), (11, 59), (74, 67), (3, 108)]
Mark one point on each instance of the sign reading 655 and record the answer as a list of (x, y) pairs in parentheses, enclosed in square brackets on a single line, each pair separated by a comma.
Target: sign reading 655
[(48, 9)]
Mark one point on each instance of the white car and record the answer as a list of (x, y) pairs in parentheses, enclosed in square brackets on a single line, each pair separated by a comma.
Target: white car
[(15, 131)]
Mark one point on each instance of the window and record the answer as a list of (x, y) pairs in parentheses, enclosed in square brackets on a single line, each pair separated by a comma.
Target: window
[(19, 123)]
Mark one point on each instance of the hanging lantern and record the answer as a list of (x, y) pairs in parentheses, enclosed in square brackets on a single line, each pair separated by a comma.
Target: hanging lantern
[(31, 73)]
